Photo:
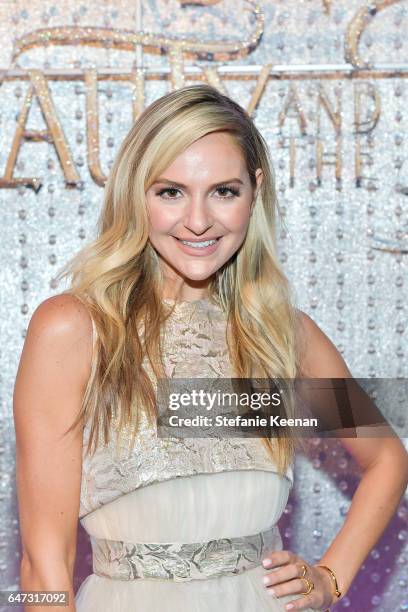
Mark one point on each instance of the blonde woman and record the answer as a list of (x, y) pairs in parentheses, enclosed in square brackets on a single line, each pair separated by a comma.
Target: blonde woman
[(182, 281)]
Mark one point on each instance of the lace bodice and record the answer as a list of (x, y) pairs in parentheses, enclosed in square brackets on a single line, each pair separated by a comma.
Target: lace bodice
[(194, 343)]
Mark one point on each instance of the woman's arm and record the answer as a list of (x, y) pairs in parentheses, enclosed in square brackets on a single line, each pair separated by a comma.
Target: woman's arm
[(51, 379), (384, 462)]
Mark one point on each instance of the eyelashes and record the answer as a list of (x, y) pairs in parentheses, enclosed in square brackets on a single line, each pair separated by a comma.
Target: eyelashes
[(232, 190)]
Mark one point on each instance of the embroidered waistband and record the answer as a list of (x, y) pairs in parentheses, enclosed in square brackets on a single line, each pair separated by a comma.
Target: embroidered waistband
[(182, 561)]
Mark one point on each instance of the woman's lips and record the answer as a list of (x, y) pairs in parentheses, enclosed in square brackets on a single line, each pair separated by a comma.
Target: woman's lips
[(198, 251)]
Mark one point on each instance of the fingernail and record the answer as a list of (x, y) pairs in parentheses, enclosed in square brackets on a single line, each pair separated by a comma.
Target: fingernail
[(266, 562), (265, 579), (289, 606), (271, 592)]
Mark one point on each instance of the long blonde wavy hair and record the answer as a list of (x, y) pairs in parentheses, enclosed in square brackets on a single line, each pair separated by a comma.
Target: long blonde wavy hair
[(118, 275)]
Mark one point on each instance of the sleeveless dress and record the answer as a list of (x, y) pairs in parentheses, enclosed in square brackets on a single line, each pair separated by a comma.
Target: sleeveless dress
[(182, 524)]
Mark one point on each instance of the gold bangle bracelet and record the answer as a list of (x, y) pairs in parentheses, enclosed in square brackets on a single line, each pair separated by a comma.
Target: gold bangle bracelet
[(336, 586)]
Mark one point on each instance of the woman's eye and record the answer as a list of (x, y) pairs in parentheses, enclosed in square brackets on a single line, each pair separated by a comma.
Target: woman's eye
[(167, 190), (233, 192)]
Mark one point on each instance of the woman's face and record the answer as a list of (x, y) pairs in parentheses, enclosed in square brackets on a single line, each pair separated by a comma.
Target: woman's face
[(204, 197)]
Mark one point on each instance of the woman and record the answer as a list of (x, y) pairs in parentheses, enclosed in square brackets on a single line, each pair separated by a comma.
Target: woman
[(183, 281)]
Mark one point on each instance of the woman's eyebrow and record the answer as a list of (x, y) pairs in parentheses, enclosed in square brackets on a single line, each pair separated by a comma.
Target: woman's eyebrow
[(176, 184)]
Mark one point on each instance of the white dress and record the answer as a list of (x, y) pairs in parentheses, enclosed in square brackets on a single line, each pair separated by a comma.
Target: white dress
[(182, 525)]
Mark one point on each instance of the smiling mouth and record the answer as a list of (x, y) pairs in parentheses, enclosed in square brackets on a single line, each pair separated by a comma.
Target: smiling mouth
[(192, 240), (199, 243), (199, 248)]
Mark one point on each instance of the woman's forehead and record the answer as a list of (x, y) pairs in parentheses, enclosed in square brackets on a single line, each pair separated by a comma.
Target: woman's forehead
[(211, 154)]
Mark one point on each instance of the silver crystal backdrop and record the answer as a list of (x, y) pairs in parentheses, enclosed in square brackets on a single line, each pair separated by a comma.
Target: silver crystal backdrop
[(325, 81)]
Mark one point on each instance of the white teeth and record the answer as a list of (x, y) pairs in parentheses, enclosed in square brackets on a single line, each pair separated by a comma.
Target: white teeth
[(199, 245)]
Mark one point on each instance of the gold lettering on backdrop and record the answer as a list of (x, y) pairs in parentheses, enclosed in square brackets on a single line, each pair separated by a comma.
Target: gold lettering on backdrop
[(335, 119), (137, 81), (92, 127), (292, 109), (293, 145), (356, 28), (292, 161), (259, 88), (128, 40), (175, 48), (363, 128), (213, 78), (327, 5), (176, 61), (292, 103), (54, 135), (178, 50)]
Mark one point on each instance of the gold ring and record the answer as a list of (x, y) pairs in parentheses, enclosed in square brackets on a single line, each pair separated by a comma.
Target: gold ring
[(304, 570), (310, 586)]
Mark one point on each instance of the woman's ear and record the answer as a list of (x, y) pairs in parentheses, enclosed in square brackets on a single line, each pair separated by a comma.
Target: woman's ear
[(259, 179)]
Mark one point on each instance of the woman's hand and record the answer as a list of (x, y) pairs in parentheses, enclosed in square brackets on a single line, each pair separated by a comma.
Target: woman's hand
[(286, 579)]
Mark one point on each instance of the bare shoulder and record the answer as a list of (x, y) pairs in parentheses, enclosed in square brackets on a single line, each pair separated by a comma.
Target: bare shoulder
[(61, 327), (318, 355), (60, 314)]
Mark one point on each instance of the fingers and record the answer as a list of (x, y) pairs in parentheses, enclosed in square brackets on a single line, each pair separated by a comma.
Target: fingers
[(287, 588), (279, 557), (303, 603), (289, 572), (289, 578)]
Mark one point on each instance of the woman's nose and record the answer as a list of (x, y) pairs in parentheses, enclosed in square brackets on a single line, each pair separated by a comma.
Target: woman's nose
[(198, 217)]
